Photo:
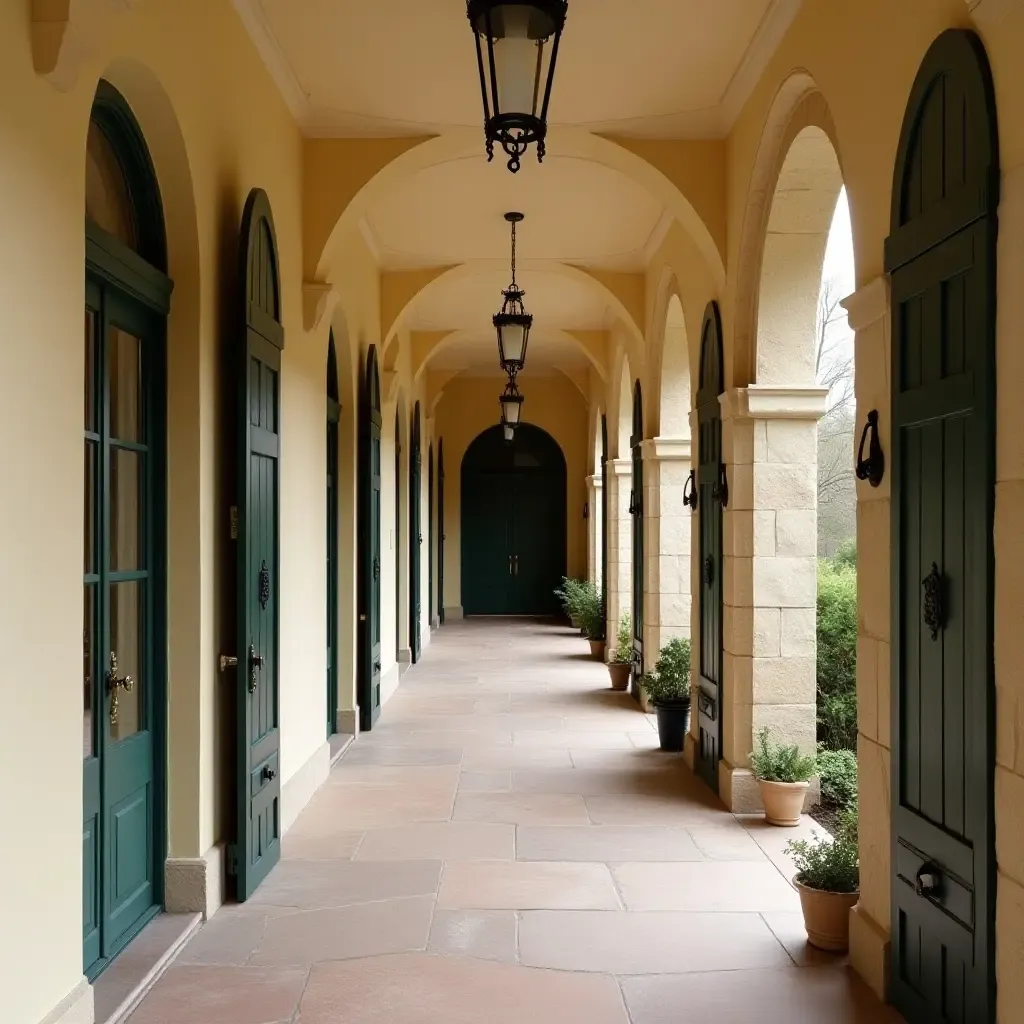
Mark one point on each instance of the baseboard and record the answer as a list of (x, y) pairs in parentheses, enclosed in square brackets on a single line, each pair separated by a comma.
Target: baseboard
[(339, 743), (75, 1008), (299, 789), (348, 721), (389, 683), (869, 951), (196, 885), (453, 614)]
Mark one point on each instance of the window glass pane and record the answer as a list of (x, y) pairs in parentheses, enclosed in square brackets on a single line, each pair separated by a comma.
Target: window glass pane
[(125, 509), (90, 506), (88, 671), (107, 199), (126, 618), (124, 378)]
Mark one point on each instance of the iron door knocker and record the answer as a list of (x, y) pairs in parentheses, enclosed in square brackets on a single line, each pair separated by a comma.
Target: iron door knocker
[(690, 490), (871, 468)]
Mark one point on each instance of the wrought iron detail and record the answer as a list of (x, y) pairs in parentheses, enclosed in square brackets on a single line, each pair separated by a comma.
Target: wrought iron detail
[(256, 663), (720, 491), (707, 706), (690, 490), (709, 570), (934, 602), (871, 468), (264, 585), (633, 508), (375, 568)]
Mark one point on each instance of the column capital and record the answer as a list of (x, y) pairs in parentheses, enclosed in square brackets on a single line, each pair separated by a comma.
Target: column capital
[(596, 481), (666, 449), (774, 402), (620, 467), (867, 304)]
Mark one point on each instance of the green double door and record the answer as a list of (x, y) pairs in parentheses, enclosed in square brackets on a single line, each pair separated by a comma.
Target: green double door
[(415, 538), (123, 637), (369, 637), (513, 543)]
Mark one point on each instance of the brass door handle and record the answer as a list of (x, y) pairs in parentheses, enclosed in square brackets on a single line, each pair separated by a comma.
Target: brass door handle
[(227, 661), (115, 683)]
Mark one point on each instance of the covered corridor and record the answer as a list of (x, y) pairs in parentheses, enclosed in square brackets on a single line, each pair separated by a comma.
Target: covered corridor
[(508, 845)]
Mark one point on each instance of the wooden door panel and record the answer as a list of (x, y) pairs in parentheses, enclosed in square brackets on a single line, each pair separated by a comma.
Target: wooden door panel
[(369, 636)]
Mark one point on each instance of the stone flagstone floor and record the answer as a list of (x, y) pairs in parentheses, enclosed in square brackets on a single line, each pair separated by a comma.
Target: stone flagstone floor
[(509, 846)]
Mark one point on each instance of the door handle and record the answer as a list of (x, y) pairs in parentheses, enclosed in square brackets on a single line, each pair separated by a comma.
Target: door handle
[(227, 661), (510, 565), (928, 881), (115, 683), (515, 565), (268, 773), (376, 668), (256, 663)]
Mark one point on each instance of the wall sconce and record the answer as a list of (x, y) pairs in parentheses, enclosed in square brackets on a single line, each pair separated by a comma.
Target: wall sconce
[(871, 468)]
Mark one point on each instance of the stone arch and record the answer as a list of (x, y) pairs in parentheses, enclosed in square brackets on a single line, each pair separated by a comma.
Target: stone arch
[(795, 183), (402, 158), (668, 413), (624, 417)]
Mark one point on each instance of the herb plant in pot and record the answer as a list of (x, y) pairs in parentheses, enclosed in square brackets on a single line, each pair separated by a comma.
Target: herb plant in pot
[(783, 774), (668, 689), (620, 664), (828, 881), (591, 615), (569, 594)]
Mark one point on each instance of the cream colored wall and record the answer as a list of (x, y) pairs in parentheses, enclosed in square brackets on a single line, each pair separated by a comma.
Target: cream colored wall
[(469, 406)]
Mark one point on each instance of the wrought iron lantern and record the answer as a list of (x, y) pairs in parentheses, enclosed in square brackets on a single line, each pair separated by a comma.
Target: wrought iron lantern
[(512, 323), (516, 50), (509, 432), (511, 404)]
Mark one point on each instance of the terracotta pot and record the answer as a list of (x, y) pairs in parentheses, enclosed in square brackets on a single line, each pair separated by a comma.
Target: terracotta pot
[(827, 917), (619, 671), (783, 801), (597, 649)]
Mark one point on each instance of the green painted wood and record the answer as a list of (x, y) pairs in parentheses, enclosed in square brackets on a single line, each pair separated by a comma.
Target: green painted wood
[(124, 807), (369, 640), (709, 470), (430, 534), (398, 536), (258, 562), (440, 531), (637, 513), (604, 520), (415, 536), (941, 257), (513, 523), (333, 566)]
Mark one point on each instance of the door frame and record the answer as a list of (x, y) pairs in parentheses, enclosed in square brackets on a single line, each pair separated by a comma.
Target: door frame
[(139, 278)]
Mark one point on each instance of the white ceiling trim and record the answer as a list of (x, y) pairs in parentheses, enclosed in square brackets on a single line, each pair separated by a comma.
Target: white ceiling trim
[(715, 122)]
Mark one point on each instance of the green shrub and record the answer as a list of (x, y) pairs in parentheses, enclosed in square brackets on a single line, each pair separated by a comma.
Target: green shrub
[(774, 762), (623, 653), (838, 771), (829, 865), (670, 681), (571, 593), (837, 655), (590, 612), (846, 555)]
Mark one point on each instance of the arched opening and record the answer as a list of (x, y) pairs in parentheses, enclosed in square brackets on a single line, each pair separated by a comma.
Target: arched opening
[(333, 418), (127, 299), (513, 523), (674, 409)]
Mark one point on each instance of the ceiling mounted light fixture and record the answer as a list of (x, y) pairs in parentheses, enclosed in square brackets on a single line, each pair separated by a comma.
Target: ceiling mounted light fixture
[(512, 323), (511, 405), (517, 68)]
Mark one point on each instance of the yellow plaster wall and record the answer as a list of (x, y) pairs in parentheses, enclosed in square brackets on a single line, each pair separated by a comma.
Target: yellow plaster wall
[(470, 405)]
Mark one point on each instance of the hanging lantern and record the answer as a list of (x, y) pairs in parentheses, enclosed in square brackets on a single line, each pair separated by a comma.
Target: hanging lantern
[(516, 50), (511, 404), (509, 431), (513, 323)]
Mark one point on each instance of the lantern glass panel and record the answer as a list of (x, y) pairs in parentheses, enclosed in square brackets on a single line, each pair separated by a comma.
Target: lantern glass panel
[(509, 431), (512, 342)]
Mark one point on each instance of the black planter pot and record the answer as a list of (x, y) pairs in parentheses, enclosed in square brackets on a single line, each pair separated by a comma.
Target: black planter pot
[(673, 725)]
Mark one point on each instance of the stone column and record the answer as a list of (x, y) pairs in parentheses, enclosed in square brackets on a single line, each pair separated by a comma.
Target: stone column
[(667, 542), (595, 488), (620, 544), (870, 316), (769, 544)]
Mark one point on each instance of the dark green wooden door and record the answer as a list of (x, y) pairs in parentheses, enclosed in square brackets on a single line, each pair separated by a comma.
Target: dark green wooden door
[(415, 537), (709, 473), (440, 531), (333, 416), (636, 510), (513, 523), (604, 520), (258, 563), (123, 627), (398, 537), (941, 255), (430, 535), (369, 547)]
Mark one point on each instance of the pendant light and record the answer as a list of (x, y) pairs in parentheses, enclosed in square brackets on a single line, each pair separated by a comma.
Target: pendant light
[(512, 323), (509, 432), (516, 50), (511, 404)]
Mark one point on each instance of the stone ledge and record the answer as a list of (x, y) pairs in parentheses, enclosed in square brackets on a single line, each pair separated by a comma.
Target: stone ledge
[(620, 467), (867, 304), (666, 449), (774, 402)]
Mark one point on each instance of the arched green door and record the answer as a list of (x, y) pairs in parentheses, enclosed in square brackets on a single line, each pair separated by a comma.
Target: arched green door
[(369, 550), (604, 520), (941, 257), (709, 505), (333, 416), (430, 535), (440, 531), (513, 523), (127, 298), (636, 510), (415, 536)]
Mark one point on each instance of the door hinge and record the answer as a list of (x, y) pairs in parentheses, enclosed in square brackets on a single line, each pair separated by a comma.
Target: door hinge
[(232, 858), (233, 520)]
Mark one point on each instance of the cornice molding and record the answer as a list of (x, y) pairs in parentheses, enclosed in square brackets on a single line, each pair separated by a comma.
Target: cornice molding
[(319, 300), (666, 449), (867, 304), (621, 467)]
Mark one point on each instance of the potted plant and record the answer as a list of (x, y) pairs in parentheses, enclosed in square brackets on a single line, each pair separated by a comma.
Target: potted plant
[(783, 774), (620, 664), (591, 617), (828, 881), (668, 690), (569, 594)]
